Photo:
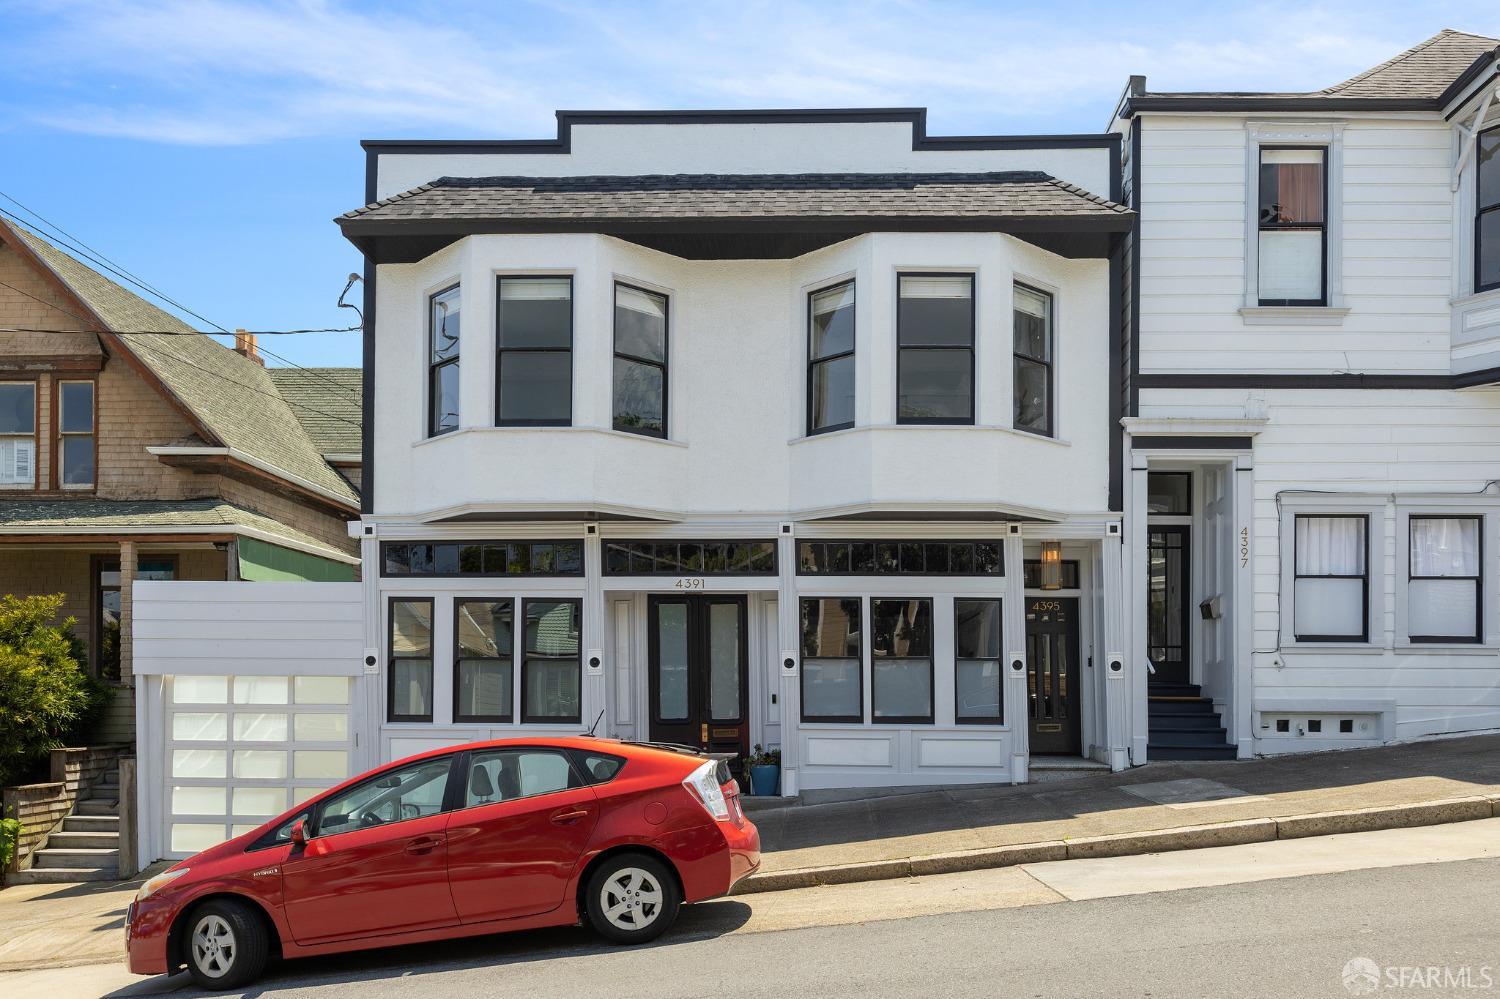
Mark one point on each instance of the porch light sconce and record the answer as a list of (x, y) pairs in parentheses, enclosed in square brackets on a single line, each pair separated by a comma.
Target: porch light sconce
[(1051, 565)]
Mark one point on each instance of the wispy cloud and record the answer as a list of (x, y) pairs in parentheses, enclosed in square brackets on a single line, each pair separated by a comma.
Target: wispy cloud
[(223, 72)]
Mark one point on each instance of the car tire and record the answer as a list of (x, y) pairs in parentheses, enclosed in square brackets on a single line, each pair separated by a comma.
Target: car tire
[(632, 898), (225, 944)]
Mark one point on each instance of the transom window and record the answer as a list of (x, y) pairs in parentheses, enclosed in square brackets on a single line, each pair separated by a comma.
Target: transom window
[(1033, 577), (690, 558), (1331, 585), (935, 336), (18, 434), (1444, 600), (442, 362), (901, 660), (1487, 219), (1169, 493), (900, 558), (1033, 360), (830, 358), (832, 654), (483, 678), (1293, 226), (534, 339), (640, 361), (482, 558), (75, 430)]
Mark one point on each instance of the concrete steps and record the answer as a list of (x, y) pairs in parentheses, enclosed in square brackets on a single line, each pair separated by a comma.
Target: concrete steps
[(86, 848)]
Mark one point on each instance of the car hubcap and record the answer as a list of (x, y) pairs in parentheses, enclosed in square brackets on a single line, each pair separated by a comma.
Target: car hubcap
[(631, 899), (213, 946)]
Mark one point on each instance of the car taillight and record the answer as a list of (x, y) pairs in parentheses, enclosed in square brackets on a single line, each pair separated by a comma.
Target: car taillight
[(703, 784)]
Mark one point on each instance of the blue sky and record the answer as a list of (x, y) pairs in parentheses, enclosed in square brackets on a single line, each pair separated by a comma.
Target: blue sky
[(206, 146)]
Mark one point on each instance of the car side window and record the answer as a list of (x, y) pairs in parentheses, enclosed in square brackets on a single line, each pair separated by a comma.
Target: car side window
[(597, 768), (394, 796), (497, 775)]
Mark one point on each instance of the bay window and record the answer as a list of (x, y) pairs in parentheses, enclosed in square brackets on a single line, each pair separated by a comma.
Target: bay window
[(534, 352), (1487, 218), (1293, 226), (1444, 586), (442, 361), (75, 434), (640, 361), (17, 434), (935, 357), (901, 660), (832, 654), (1033, 360), (482, 676), (1331, 585), (552, 667), (976, 647), (409, 672), (830, 359)]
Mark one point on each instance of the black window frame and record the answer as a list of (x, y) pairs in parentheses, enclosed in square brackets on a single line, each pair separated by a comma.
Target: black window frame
[(1031, 575), (501, 351), (858, 660), (434, 368), (485, 546), (931, 657), (655, 549), (1478, 579), (999, 717), (1171, 473), (900, 544), (390, 660), (1322, 227), (813, 363), (663, 365), (1481, 211), (526, 717), (510, 709), (1048, 365), (1364, 636), (940, 421)]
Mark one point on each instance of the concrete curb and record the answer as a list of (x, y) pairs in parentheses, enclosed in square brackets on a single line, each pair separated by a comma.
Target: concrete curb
[(1236, 833)]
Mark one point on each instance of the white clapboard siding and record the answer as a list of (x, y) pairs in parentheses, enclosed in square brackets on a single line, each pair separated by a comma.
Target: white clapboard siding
[(243, 628), (1397, 250)]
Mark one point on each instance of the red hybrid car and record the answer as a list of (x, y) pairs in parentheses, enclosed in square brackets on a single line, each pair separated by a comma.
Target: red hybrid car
[(484, 838)]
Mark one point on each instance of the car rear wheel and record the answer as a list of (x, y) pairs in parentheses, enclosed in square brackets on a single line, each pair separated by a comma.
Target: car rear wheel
[(226, 944), (632, 898)]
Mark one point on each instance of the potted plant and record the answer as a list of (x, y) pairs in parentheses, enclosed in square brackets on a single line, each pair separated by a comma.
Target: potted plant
[(765, 771)]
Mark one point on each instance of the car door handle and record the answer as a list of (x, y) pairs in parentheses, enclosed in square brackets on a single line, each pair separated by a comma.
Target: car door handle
[(563, 818), (423, 844)]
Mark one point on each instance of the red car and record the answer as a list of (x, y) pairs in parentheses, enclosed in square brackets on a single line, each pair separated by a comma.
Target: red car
[(484, 838)]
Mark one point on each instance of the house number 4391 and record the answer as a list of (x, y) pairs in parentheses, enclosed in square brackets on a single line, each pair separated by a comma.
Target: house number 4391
[(690, 583)]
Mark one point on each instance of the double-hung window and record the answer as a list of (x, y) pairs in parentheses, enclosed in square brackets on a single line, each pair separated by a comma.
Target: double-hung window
[(75, 434), (640, 361), (483, 635), (442, 361), (409, 673), (901, 660), (935, 337), (1033, 360), (830, 358), (1487, 219), (1293, 251), (832, 654), (552, 670), (534, 341), (1331, 583), (17, 434), (976, 649), (1444, 587)]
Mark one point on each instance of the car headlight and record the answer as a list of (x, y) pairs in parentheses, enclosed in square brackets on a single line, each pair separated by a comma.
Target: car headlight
[(156, 884)]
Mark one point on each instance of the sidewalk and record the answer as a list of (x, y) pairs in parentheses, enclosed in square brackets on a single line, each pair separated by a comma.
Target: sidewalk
[(1180, 805)]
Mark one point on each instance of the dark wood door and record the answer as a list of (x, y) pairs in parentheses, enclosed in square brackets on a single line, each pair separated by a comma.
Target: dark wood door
[(699, 665), (1168, 581), (1052, 674)]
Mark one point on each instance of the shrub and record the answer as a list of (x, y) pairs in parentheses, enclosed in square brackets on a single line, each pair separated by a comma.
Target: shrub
[(46, 697), (10, 832)]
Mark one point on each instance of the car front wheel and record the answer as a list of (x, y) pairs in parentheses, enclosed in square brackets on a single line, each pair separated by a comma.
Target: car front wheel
[(632, 898), (226, 944)]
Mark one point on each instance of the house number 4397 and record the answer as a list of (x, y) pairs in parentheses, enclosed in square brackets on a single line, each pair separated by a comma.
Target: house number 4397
[(1244, 547)]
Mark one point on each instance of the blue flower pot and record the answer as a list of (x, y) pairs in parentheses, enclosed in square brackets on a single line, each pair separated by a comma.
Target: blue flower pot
[(763, 779)]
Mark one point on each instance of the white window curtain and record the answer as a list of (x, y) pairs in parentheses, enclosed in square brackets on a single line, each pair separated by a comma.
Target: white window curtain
[(1442, 601), (1329, 588)]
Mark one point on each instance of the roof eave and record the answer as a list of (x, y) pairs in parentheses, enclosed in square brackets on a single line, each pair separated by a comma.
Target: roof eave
[(1255, 102)]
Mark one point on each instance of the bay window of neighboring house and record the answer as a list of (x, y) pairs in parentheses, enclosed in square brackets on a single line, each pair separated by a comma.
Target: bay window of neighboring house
[(534, 352), (1293, 226), (1331, 583), (17, 435), (935, 358), (830, 359), (1444, 590), (75, 436), (640, 361), (442, 361), (1033, 361), (1487, 220)]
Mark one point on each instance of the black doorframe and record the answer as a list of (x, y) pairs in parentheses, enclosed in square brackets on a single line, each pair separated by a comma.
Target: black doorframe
[(1173, 661), (700, 729), (1056, 722)]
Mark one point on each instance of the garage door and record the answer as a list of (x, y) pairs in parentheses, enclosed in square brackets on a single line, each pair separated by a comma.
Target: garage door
[(243, 749)]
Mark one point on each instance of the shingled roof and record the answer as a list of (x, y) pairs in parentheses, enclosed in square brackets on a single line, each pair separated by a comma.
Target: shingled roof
[(327, 401), (1014, 195), (232, 397)]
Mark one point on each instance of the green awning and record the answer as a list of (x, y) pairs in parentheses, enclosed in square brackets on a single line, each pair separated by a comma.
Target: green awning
[(263, 562)]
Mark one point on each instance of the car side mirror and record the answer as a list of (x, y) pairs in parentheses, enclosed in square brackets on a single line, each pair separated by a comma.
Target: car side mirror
[(299, 833)]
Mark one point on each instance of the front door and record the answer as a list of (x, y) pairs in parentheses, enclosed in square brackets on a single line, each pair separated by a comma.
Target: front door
[(1052, 674), (1167, 602), (699, 672)]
